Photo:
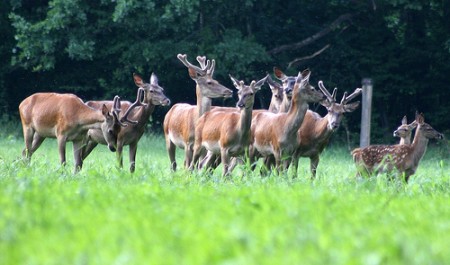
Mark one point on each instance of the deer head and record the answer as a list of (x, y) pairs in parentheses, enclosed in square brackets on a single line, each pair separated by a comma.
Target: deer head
[(307, 92), (277, 95), (153, 93), (404, 131), (336, 110), (203, 76), (288, 82), (425, 129), (247, 93)]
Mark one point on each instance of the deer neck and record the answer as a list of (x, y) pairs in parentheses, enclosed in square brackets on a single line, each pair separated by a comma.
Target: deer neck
[(419, 146), (321, 129), (245, 121), (143, 113), (295, 115), (203, 103), (93, 119), (405, 140)]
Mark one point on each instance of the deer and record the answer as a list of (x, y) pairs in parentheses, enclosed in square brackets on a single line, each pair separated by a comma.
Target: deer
[(140, 112), (288, 83), (404, 158), (227, 132), (180, 120), (66, 118), (316, 131), (277, 98), (275, 134), (404, 131)]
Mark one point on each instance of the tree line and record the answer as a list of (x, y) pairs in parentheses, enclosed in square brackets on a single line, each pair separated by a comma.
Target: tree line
[(92, 48)]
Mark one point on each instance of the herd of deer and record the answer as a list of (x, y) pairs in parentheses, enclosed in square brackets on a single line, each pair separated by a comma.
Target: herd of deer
[(211, 135)]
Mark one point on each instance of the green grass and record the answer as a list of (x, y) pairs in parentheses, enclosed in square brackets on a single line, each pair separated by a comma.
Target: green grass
[(104, 215)]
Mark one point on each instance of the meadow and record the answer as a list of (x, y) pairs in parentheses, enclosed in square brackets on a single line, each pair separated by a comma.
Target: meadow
[(105, 215)]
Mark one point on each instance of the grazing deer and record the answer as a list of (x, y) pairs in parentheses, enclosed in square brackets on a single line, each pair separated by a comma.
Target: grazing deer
[(276, 133), (405, 131), (180, 121), (315, 131), (66, 118), (404, 158), (227, 132), (139, 111)]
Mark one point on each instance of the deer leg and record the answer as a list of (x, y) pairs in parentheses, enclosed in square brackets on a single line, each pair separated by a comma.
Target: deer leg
[(313, 163), (119, 153), (87, 149), (28, 134), (132, 154), (77, 155), (188, 155), (225, 158), (294, 165), (207, 161), (171, 148), (62, 148)]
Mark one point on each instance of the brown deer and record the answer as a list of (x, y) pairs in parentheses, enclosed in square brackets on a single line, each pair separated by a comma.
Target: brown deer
[(139, 111), (316, 131), (288, 83), (227, 132), (179, 122), (275, 134), (276, 100), (404, 158), (66, 118), (404, 131)]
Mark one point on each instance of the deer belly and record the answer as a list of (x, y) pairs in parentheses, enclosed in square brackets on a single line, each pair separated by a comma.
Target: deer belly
[(212, 146), (264, 150), (177, 140)]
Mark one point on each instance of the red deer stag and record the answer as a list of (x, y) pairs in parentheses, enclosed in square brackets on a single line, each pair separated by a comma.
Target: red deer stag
[(404, 158), (275, 134), (180, 121), (66, 118), (139, 111), (404, 131), (227, 132), (316, 131)]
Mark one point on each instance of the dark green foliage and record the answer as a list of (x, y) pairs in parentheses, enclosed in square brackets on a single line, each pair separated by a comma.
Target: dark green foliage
[(91, 48)]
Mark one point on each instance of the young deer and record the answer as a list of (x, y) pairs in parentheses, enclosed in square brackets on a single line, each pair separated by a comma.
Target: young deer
[(405, 131), (315, 131), (276, 100), (139, 111), (288, 83), (66, 118), (404, 158), (227, 132), (275, 134), (180, 121)]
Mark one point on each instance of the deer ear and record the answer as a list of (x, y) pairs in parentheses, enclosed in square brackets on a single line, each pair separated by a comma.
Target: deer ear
[(419, 118), (351, 107), (261, 82), (235, 82), (192, 73), (412, 125), (404, 120), (279, 74), (325, 103), (105, 110), (138, 80), (154, 79)]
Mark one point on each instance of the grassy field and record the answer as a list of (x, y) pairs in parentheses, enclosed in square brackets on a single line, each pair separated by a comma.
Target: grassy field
[(104, 215)]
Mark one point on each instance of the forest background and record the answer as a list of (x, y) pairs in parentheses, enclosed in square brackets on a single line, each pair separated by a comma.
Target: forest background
[(92, 48)]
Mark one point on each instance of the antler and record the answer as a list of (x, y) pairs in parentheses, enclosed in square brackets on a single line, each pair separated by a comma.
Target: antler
[(201, 60), (183, 59), (353, 95), (116, 109), (330, 97), (137, 103)]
